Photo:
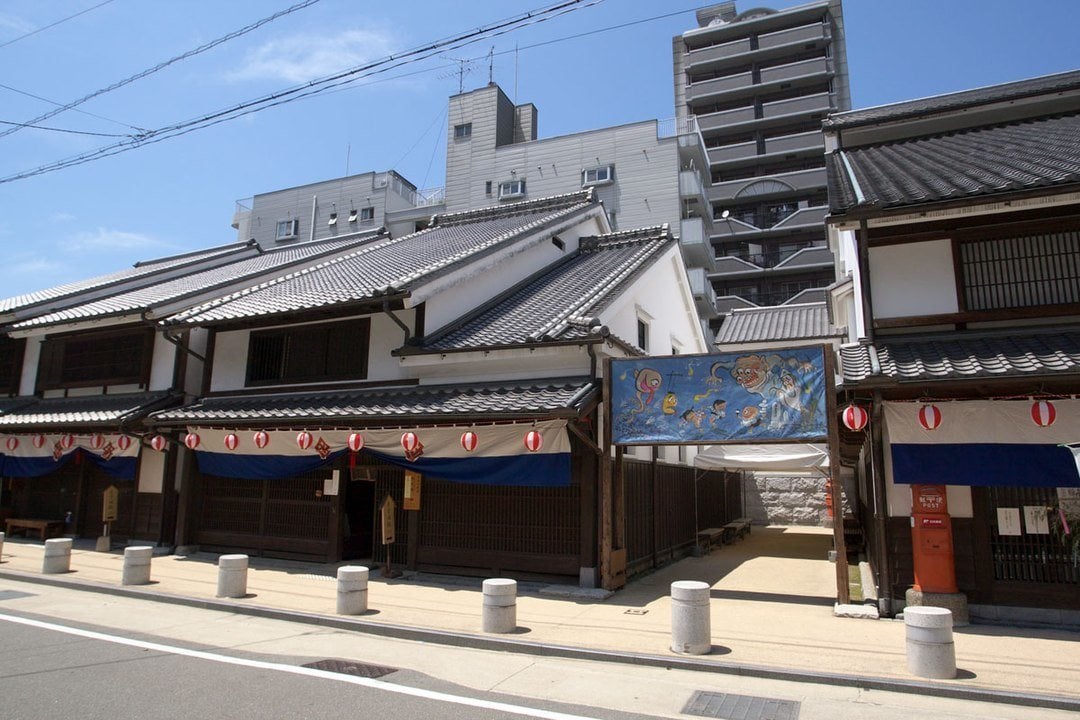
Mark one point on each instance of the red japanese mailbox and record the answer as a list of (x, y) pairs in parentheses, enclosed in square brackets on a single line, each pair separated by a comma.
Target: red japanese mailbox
[(931, 540)]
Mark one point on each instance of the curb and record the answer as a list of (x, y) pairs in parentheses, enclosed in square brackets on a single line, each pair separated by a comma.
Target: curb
[(486, 642)]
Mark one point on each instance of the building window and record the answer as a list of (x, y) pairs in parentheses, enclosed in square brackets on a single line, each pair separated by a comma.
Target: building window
[(598, 176), (333, 220), (512, 189), (287, 229), (309, 353), (11, 357), (643, 335), (463, 131), (1021, 272), (367, 214), (117, 358), (487, 188), (353, 214)]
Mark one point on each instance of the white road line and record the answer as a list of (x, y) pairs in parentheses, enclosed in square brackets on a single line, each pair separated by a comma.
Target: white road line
[(296, 670)]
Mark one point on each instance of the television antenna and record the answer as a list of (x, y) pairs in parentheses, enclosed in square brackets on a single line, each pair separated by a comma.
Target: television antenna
[(464, 67)]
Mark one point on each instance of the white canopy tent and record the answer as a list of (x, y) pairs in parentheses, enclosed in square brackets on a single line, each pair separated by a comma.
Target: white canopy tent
[(782, 457)]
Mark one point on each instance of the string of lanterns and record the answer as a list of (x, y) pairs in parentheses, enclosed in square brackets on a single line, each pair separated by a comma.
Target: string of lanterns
[(410, 441), (855, 417)]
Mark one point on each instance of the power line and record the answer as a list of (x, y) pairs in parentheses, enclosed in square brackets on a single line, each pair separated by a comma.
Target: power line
[(61, 130), (162, 65), (84, 112), (310, 88), (54, 24)]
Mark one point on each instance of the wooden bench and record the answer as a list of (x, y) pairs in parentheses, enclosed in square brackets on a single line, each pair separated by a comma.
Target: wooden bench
[(737, 528), (709, 538), (45, 528)]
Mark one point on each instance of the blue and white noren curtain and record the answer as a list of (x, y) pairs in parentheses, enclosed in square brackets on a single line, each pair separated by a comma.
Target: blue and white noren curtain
[(34, 455), (500, 457), (984, 443)]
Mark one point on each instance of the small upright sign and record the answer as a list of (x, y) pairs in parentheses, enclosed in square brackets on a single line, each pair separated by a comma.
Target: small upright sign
[(386, 512), (412, 491), (110, 504)]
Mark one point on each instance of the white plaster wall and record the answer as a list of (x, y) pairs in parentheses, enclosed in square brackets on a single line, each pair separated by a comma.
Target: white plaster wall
[(500, 365), (913, 279), (231, 348), (151, 471), (163, 363), (193, 374), (28, 380), (456, 295)]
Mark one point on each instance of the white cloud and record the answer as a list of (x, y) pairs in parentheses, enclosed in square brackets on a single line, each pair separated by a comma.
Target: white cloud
[(13, 26), (300, 58), (104, 239)]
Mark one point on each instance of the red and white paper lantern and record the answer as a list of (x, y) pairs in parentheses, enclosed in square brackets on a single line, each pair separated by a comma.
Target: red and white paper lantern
[(97, 441), (1043, 413), (469, 441), (534, 440), (191, 440), (356, 442), (159, 443), (232, 441), (855, 417), (261, 439), (929, 417), (304, 439), (67, 441), (123, 442), (12, 443), (409, 441), (39, 441)]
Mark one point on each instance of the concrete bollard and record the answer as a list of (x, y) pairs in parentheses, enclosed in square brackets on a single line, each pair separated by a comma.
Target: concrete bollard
[(57, 558), (500, 605), (930, 649), (232, 576), (352, 582), (691, 626), (137, 565)]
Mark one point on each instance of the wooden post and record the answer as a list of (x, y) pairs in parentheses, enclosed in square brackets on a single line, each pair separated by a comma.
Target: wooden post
[(604, 499), (843, 595)]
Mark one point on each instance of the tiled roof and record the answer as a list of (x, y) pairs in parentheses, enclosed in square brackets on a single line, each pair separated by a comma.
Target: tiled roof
[(779, 323), (964, 356), (956, 101), (562, 302), (81, 411), (391, 266), (409, 404), (957, 165), (228, 275), (139, 270)]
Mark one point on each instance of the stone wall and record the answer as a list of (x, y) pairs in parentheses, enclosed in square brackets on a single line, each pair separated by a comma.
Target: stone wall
[(785, 500)]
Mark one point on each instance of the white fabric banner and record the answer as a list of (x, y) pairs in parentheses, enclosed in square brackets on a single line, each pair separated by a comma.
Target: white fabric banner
[(985, 421)]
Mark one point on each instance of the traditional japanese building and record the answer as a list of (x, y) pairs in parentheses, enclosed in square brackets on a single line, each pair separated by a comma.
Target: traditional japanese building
[(957, 222)]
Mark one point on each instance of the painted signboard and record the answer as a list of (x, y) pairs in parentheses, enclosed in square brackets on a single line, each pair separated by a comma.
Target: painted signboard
[(777, 395)]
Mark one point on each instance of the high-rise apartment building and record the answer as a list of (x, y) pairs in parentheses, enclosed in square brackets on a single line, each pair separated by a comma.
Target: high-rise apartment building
[(759, 84)]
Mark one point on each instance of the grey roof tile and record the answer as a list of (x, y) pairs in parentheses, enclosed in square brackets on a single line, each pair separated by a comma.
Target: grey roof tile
[(394, 265), (964, 164), (410, 404), (146, 269), (951, 102), (228, 275), (780, 323), (961, 356), (562, 302), (91, 410)]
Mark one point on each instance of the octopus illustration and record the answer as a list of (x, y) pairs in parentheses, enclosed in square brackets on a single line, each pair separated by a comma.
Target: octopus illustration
[(647, 381)]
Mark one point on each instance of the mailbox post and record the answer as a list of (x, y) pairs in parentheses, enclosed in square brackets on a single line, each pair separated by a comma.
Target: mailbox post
[(932, 551)]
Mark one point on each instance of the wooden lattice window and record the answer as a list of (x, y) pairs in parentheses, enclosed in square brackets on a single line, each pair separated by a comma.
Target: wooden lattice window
[(1021, 272), (11, 356), (309, 353), (113, 358)]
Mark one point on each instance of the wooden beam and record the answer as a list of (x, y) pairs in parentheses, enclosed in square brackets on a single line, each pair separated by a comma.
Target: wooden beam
[(843, 595), (603, 495)]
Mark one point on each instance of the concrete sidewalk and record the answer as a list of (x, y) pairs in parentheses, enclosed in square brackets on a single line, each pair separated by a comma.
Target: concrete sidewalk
[(772, 616)]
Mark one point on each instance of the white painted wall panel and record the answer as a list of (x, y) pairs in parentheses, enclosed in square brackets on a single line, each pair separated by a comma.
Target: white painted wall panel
[(913, 279)]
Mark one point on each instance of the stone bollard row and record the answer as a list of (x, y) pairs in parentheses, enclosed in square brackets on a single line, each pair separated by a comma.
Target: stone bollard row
[(352, 587), (691, 625), (930, 649), (57, 558), (232, 576), (137, 565), (500, 605)]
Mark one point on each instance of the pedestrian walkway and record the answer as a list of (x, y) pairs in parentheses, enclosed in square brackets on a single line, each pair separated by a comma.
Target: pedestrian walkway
[(771, 611)]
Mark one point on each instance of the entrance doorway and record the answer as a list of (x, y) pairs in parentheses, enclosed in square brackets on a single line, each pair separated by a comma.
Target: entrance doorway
[(359, 522)]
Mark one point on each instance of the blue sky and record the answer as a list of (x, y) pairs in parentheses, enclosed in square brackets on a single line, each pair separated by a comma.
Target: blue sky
[(582, 70)]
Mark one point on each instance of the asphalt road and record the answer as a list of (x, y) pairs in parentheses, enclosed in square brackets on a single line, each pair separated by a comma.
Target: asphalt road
[(50, 671)]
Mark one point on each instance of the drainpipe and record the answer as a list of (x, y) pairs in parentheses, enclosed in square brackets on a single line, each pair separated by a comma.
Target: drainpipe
[(165, 334), (863, 249), (395, 318), (314, 207)]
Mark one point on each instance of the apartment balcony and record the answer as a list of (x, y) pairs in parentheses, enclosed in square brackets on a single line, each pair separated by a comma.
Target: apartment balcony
[(735, 151), (808, 142), (806, 105), (702, 290), (693, 196), (705, 88), (712, 54), (779, 261), (692, 151), (720, 120), (697, 248), (793, 36), (770, 185), (800, 221), (791, 71)]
